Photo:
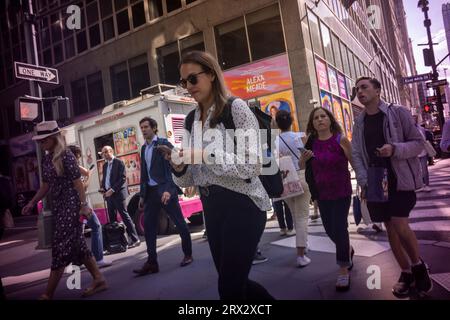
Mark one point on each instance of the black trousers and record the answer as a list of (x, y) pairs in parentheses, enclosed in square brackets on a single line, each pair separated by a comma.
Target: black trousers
[(115, 204), (234, 225)]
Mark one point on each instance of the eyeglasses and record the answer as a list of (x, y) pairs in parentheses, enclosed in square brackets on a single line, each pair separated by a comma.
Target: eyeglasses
[(192, 79)]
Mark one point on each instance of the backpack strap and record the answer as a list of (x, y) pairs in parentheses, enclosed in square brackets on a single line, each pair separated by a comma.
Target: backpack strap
[(289, 147), (189, 121)]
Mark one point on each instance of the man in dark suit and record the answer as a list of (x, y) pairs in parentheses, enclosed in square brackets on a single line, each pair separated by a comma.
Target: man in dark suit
[(114, 186), (159, 191)]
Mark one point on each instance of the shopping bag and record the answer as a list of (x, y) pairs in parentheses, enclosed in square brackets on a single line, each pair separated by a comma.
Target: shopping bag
[(291, 182), (357, 209)]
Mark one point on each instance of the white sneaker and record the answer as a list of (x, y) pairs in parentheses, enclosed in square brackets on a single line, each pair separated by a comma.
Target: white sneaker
[(283, 232), (427, 189), (103, 264), (303, 261), (290, 232)]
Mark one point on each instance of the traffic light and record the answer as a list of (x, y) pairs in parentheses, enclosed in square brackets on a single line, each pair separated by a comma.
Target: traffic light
[(28, 109), (427, 108)]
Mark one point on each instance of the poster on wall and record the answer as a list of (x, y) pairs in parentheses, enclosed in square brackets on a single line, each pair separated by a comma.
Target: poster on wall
[(325, 99), (342, 86), (348, 120), (337, 111), (132, 168), (125, 141), (334, 88), (322, 75), (260, 78), (350, 85), (280, 101)]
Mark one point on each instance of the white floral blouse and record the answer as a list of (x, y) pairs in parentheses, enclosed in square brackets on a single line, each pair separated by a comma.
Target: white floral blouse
[(232, 173)]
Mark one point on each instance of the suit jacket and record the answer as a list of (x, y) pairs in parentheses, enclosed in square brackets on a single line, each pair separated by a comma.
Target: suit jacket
[(118, 180), (160, 171)]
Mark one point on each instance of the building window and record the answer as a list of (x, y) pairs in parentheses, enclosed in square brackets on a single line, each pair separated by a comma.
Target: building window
[(81, 41), (168, 60), (92, 13), (315, 33), (108, 29), (138, 14), (58, 53), (326, 39), (345, 59), (231, 40), (155, 7), (105, 8), (70, 48), (169, 57), (123, 23), (48, 58), (336, 51), (79, 97), (120, 4), (95, 91), (120, 82), (173, 5), (56, 28), (94, 35), (265, 32), (351, 64), (139, 75), (188, 2)]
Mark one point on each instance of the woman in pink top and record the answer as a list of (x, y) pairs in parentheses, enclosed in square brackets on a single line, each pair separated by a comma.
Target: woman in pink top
[(326, 157)]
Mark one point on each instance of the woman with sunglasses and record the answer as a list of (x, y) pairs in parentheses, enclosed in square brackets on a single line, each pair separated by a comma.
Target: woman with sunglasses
[(234, 199), (62, 180)]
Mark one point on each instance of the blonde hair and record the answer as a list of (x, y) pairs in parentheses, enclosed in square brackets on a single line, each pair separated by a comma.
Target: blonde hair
[(58, 150), (210, 65)]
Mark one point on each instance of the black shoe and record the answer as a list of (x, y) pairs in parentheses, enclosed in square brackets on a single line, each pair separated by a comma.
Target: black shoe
[(134, 244), (147, 268), (351, 259), (422, 279), (402, 288)]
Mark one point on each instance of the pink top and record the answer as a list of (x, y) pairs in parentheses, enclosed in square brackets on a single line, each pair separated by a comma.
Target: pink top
[(330, 169)]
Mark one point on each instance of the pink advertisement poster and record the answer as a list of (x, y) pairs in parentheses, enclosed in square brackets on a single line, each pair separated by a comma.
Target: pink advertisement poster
[(348, 121), (337, 111), (322, 75), (342, 86), (260, 78), (334, 88)]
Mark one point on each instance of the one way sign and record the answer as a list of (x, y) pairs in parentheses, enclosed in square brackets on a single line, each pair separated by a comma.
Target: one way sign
[(36, 73)]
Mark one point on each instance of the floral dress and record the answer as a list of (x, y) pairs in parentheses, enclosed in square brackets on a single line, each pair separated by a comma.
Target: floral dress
[(68, 243)]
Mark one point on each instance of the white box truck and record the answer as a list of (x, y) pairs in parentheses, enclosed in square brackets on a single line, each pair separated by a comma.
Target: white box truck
[(118, 127)]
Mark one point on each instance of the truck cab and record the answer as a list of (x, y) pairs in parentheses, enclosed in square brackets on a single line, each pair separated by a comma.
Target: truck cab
[(118, 127)]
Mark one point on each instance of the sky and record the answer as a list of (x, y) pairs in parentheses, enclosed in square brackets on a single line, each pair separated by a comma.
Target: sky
[(417, 33)]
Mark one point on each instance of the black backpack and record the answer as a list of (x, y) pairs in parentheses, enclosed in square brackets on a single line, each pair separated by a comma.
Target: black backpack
[(273, 184)]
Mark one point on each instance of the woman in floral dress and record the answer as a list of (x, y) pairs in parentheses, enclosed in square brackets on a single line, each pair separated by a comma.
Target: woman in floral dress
[(61, 176)]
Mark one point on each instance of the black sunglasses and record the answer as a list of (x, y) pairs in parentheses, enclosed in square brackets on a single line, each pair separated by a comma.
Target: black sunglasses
[(192, 79)]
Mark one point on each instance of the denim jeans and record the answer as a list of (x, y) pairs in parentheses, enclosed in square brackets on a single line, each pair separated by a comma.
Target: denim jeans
[(334, 214), (96, 237)]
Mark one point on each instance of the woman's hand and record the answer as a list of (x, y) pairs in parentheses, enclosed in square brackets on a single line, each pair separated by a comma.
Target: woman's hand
[(307, 154), (86, 211), (27, 209)]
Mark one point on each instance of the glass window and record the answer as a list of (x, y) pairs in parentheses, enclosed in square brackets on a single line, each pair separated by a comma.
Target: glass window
[(231, 40), (79, 97), (345, 59), (138, 14), (351, 64), (70, 48), (139, 75), (173, 5), (315, 33), (94, 35), (95, 91), (190, 1), (119, 82), (92, 13), (120, 4), (328, 50), (123, 23), (58, 53), (168, 60), (48, 58), (81, 41), (45, 40), (336, 51), (193, 42), (265, 32), (105, 8), (155, 8), (108, 29)]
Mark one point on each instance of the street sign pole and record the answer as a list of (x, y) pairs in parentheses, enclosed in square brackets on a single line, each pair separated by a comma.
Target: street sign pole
[(423, 4), (44, 219)]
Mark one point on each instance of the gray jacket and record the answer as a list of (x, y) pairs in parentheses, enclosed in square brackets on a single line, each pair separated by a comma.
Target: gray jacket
[(400, 131)]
